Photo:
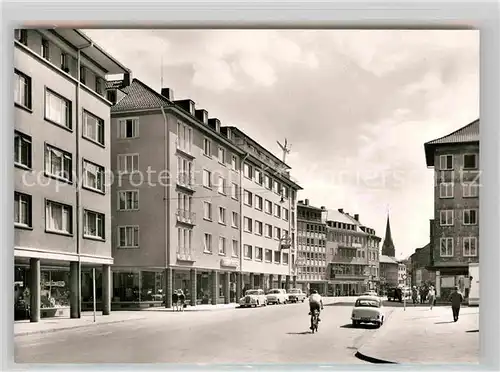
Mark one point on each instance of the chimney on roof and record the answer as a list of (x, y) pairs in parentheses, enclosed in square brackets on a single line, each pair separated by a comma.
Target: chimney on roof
[(341, 210), (323, 207), (301, 202), (187, 105), (356, 217), (168, 93), (202, 115), (214, 123), (306, 202)]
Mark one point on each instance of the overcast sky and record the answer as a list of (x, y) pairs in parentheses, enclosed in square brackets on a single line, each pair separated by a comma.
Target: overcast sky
[(356, 106)]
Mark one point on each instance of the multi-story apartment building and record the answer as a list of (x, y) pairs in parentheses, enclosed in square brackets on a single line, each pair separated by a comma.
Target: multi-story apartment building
[(268, 216), (199, 221), (389, 272), (62, 202), (312, 247), (176, 201), (353, 262), (455, 229)]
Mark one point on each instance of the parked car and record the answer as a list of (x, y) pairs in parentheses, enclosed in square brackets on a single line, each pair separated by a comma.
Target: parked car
[(296, 295), (370, 293), (253, 298), (368, 309), (277, 296), (395, 294)]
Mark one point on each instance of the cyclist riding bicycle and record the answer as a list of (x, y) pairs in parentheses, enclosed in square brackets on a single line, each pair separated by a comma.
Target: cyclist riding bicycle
[(315, 303)]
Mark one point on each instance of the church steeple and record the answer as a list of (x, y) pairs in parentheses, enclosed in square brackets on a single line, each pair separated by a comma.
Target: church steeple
[(388, 245)]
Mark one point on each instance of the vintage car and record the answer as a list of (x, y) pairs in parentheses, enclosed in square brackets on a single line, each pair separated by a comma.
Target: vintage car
[(370, 293), (277, 296), (253, 298), (368, 309), (296, 295)]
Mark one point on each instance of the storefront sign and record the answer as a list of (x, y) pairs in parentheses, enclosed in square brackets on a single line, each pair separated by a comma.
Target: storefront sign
[(54, 284), (227, 262)]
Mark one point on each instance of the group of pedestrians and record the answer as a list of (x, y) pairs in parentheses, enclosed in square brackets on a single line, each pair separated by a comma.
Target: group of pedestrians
[(429, 296), (178, 300)]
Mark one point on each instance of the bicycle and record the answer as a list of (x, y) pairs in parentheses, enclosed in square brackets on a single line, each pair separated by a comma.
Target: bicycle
[(314, 321)]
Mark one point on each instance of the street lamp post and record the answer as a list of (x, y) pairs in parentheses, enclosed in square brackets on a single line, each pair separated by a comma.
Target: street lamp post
[(404, 290)]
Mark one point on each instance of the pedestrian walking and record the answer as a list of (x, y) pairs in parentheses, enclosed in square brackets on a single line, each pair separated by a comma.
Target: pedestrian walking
[(456, 299), (182, 299), (414, 295), (432, 296), (175, 300)]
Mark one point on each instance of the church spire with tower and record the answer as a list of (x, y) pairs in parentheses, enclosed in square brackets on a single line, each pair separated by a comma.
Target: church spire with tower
[(388, 245)]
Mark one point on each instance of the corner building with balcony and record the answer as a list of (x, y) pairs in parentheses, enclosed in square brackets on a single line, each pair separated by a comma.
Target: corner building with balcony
[(268, 200), (62, 205), (312, 247), (176, 201), (353, 254), (454, 234)]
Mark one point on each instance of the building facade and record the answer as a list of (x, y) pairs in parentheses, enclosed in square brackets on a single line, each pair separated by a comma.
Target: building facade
[(269, 205), (455, 230), (62, 214), (419, 263), (389, 272), (198, 225), (312, 247), (353, 254)]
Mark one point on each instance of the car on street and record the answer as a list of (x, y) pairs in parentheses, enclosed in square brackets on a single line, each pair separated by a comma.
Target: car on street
[(368, 309), (296, 295), (370, 293), (277, 296), (253, 298)]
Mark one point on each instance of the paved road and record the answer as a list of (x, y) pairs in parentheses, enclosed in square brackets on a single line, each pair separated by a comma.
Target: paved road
[(273, 334)]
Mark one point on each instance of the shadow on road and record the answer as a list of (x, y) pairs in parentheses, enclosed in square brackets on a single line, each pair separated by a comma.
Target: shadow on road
[(299, 333), (362, 326)]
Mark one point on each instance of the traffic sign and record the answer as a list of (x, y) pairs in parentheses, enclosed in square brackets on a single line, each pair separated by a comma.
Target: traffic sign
[(404, 276)]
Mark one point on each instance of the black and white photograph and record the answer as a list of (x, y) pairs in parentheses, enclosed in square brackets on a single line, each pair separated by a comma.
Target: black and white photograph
[(246, 196)]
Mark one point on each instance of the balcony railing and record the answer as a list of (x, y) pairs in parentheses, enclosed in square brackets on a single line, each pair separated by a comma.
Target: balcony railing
[(185, 180), (185, 216), (184, 254), (353, 260)]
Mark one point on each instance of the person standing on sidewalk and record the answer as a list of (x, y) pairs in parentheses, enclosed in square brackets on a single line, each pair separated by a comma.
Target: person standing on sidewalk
[(175, 300), (431, 296), (456, 299)]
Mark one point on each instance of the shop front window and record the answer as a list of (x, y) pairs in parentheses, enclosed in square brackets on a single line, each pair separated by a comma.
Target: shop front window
[(126, 287), (55, 289), (203, 287), (152, 286), (88, 286)]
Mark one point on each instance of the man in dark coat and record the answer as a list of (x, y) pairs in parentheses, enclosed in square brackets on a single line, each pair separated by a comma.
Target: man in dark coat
[(456, 299)]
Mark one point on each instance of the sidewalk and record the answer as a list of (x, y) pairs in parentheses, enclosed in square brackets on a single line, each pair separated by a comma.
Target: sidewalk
[(422, 336), (195, 308), (25, 327)]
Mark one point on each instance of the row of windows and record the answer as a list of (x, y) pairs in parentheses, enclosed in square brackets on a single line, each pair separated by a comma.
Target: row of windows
[(312, 269), (309, 215), (58, 163), (259, 254), (447, 217), (311, 242), (469, 161), (222, 245), (309, 227), (349, 240), (469, 246), (58, 217), (253, 173), (57, 109), (469, 190), (65, 63)]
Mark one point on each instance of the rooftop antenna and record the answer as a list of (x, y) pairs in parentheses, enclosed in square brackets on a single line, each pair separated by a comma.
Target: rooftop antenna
[(161, 72), (285, 148)]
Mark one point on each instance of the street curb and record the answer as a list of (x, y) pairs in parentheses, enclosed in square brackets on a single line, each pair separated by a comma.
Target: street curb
[(73, 327), (369, 359)]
